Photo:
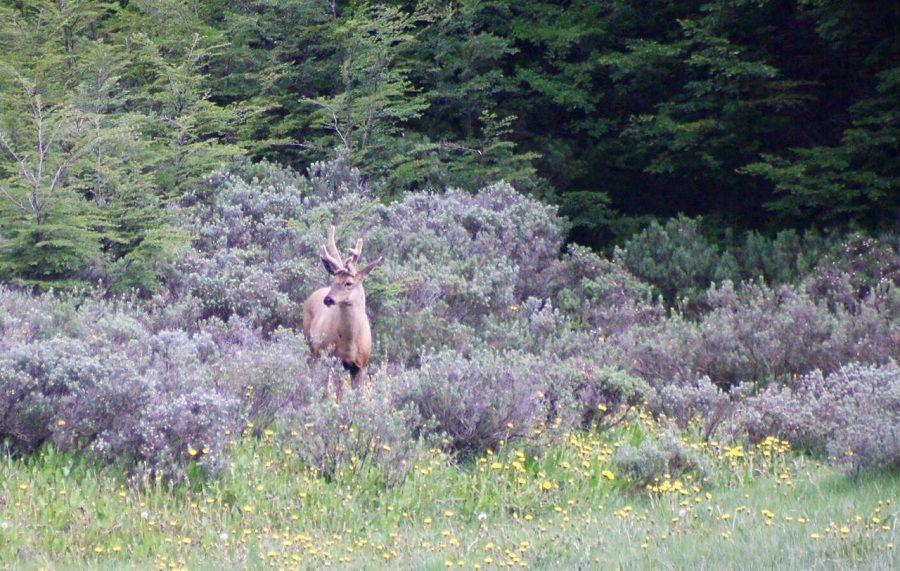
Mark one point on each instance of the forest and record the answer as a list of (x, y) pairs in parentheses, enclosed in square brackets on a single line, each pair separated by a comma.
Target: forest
[(758, 116), (638, 304)]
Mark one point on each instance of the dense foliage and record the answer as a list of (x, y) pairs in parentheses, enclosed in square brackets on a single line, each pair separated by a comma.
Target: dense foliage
[(616, 111), (488, 330), (852, 413)]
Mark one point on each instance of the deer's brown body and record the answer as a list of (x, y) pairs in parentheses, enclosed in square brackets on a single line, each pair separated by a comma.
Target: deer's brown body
[(334, 317)]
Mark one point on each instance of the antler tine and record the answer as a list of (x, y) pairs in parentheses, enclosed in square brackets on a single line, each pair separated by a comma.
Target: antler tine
[(330, 254), (355, 254), (331, 248)]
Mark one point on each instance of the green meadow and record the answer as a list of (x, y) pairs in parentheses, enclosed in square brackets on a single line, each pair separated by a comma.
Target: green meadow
[(557, 502)]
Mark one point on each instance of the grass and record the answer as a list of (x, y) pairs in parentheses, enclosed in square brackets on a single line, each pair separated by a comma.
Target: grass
[(570, 506)]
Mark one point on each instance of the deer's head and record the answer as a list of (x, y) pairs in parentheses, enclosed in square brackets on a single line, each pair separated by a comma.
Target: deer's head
[(347, 280)]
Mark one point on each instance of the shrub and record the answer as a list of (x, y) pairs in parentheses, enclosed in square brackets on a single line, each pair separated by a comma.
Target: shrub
[(177, 426), (38, 380), (602, 294), (681, 263), (364, 430), (602, 395), (142, 402), (580, 366), (786, 258), (756, 334), (675, 257), (457, 257), (660, 352), (130, 393), (653, 461), (489, 326), (686, 401), (455, 260), (452, 259), (477, 401), (855, 269), (535, 326), (271, 376), (852, 414), (258, 240)]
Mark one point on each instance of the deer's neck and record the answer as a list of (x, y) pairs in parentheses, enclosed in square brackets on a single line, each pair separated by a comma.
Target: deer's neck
[(352, 318)]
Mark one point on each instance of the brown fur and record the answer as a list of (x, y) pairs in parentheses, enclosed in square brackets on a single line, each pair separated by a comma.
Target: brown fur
[(343, 327)]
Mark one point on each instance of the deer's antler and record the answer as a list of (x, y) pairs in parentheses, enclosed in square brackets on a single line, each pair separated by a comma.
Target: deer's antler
[(354, 256), (331, 256)]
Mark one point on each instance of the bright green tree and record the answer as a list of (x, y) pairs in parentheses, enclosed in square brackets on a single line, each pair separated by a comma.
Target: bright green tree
[(375, 101), (48, 231), (80, 145)]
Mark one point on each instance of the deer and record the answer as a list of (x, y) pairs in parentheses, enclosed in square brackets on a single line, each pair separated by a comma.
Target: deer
[(334, 317)]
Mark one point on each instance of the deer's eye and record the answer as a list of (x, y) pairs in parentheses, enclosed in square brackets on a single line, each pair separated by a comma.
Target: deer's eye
[(348, 284)]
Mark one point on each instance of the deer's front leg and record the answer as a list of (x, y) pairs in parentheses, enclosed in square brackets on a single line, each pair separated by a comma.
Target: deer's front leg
[(356, 374)]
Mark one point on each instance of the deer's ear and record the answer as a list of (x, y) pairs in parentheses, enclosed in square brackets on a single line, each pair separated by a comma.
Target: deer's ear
[(369, 267)]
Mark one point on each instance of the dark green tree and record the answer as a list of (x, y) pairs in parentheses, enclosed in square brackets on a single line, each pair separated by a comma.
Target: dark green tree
[(852, 173)]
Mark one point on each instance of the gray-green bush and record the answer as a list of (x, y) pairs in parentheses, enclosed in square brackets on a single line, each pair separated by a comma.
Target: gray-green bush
[(653, 461), (675, 257)]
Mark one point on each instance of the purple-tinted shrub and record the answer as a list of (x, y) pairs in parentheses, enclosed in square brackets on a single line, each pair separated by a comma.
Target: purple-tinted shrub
[(331, 180), (141, 401), (176, 426), (602, 294), (270, 376), (474, 402), (486, 327), (853, 414), (858, 267), (659, 352), (454, 258), (258, 239), (365, 429), (580, 366), (754, 334), (757, 333), (697, 399), (869, 328), (535, 326), (98, 376), (38, 382), (601, 395)]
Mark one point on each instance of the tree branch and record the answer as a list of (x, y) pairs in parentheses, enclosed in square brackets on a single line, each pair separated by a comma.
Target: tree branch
[(23, 161), (9, 196)]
